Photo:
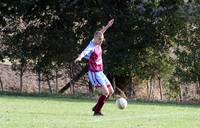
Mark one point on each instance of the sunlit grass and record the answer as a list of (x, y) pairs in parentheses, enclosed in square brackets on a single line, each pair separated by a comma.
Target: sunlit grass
[(51, 112)]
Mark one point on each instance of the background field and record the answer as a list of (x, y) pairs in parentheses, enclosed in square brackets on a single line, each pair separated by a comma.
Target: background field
[(62, 112)]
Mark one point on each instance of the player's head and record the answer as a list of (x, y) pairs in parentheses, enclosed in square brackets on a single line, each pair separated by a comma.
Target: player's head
[(98, 37)]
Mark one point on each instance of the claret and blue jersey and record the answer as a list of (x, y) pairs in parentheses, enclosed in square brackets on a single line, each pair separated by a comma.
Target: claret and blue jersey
[(93, 53)]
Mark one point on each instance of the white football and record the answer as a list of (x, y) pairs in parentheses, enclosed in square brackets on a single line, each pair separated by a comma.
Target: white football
[(121, 103)]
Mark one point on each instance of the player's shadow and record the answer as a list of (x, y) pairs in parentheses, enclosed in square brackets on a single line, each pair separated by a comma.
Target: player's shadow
[(161, 103)]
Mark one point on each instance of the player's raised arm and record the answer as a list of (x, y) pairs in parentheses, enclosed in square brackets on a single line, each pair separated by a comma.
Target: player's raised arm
[(80, 57), (110, 23), (85, 53)]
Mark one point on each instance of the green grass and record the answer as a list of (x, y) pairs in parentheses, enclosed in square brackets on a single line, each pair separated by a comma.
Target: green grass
[(51, 112)]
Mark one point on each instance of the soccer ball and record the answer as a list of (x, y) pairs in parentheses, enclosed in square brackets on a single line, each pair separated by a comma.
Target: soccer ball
[(121, 103)]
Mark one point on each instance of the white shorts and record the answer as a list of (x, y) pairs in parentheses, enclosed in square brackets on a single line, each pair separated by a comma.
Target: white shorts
[(98, 79)]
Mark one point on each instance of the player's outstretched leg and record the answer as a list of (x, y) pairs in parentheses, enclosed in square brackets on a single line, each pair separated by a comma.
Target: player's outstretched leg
[(104, 93), (111, 91), (99, 105)]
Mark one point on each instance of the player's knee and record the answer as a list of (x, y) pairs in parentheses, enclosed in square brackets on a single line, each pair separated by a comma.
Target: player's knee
[(106, 93), (111, 91)]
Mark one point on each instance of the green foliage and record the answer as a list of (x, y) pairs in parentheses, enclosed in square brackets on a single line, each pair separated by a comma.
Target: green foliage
[(187, 47), (48, 35), (140, 29), (39, 32), (172, 87)]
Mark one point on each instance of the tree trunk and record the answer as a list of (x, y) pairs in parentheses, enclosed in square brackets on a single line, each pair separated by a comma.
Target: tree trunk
[(48, 81), (21, 80), (72, 80), (91, 88), (197, 92), (198, 86), (1, 83), (76, 77), (160, 87), (56, 81), (121, 93), (150, 89), (180, 93), (114, 84), (39, 82), (130, 89)]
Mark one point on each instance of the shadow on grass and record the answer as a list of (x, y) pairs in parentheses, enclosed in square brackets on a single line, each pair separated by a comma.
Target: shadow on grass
[(45, 96), (164, 103), (89, 98)]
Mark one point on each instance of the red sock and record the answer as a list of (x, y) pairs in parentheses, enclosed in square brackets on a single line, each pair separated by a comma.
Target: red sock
[(100, 103)]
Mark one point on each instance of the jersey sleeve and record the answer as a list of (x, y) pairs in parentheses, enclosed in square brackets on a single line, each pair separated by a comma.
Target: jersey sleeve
[(86, 53)]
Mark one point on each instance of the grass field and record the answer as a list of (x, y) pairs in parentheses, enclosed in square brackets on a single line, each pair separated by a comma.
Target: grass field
[(51, 112)]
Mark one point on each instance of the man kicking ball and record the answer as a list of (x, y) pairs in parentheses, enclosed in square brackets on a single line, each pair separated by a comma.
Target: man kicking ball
[(93, 53)]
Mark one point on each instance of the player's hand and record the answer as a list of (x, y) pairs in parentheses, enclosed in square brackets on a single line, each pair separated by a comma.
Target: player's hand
[(110, 23), (77, 60)]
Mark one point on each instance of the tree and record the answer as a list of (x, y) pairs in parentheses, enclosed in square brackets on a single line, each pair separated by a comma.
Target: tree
[(187, 48), (48, 35), (38, 34)]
